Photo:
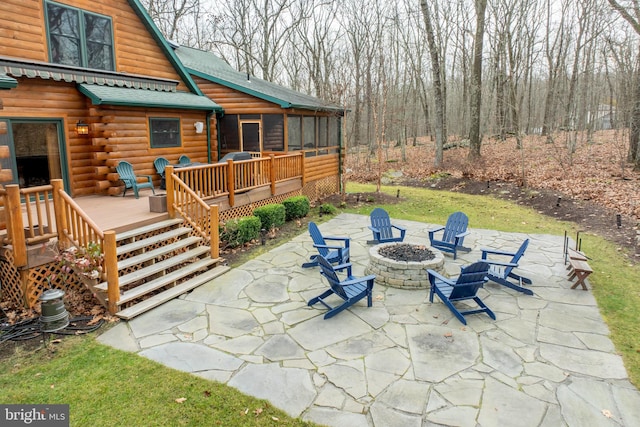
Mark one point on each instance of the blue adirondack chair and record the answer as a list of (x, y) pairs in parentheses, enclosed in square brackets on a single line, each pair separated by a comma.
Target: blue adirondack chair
[(333, 253), (500, 272), (184, 160), (351, 289), (125, 170), (160, 163), (464, 287), (453, 234), (383, 229)]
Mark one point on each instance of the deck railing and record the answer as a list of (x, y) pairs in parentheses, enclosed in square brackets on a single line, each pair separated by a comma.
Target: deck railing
[(209, 181), (202, 217)]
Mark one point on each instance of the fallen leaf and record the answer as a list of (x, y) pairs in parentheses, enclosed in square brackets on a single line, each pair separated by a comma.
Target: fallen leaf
[(53, 386), (275, 418), (207, 393), (38, 374), (258, 411), (448, 335), (607, 413), (181, 399)]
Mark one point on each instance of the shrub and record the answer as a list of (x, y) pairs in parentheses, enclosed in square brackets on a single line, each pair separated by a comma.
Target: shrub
[(296, 207), (237, 232), (328, 209), (271, 216)]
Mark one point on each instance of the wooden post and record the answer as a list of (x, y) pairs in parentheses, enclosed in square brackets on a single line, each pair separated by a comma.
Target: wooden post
[(214, 233), (58, 211), (15, 225), (273, 174), (168, 179), (231, 183), (304, 171), (111, 264)]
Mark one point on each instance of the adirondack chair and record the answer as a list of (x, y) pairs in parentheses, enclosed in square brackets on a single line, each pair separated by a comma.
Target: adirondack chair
[(332, 253), (453, 235), (160, 163), (464, 287), (500, 272), (383, 229), (351, 289), (125, 170), (184, 160)]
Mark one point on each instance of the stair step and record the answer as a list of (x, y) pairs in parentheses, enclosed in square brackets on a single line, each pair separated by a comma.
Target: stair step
[(154, 253), (148, 228), (169, 294), (143, 243), (165, 280), (134, 276)]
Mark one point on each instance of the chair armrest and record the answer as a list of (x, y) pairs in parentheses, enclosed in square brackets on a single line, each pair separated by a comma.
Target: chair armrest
[(434, 230), (374, 229), (397, 227), (357, 280), (440, 276), (464, 233), (339, 248), (502, 264), (342, 266), (336, 238), (147, 176), (495, 252)]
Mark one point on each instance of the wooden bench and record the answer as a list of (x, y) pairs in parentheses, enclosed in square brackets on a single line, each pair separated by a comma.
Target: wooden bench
[(578, 268)]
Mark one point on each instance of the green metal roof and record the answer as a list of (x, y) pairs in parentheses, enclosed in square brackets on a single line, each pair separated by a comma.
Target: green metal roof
[(7, 82), (130, 97), (210, 67)]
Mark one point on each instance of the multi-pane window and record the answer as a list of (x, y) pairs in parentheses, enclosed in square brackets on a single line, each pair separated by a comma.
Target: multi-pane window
[(165, 132), (79, 38)]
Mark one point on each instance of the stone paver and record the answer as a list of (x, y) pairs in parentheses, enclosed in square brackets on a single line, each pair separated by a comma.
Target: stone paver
[(546, 360)]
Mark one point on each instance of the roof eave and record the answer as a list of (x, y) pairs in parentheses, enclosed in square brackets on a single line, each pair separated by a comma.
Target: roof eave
[(159, 38), (282, 103)]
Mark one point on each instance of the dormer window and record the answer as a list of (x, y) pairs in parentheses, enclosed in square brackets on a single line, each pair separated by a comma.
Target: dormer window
[(79, 38)]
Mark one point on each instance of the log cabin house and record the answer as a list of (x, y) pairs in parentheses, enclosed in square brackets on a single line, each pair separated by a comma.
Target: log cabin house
[(85, 85)]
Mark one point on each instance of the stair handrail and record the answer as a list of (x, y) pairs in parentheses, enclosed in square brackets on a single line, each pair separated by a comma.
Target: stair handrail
[(76, 228), (202, 218)]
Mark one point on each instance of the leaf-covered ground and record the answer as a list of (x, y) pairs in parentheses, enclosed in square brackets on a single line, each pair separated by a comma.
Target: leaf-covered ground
[(591, 186)]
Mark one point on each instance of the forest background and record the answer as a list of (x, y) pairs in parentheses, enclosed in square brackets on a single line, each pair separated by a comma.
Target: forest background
[(522, 86)]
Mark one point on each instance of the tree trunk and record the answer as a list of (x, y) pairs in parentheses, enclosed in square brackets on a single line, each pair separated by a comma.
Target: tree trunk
[(437, 83), (475, 138)]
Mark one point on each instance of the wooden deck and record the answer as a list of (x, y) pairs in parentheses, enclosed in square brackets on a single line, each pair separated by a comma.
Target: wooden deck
[(120, 213)]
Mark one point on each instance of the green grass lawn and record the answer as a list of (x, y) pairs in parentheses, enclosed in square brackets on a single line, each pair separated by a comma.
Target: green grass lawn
[(108, 387)]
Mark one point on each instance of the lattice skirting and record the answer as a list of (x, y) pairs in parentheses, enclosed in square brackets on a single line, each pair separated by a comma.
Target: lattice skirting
[(23, 288), (321, 188), (247, 210)]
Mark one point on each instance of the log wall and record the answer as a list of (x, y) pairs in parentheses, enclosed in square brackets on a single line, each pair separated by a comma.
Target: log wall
[(23, 35), (116, 133)]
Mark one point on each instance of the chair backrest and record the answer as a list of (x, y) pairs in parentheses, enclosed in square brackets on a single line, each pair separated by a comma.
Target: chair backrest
[(160, 163), (456, 223), (184, 160), (332, 277), (317, 238), (470, 280), (125, 170), (517, 256), (381, 221)]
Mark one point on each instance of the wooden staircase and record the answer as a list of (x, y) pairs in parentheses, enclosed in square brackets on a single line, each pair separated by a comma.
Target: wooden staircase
[(157, 263)]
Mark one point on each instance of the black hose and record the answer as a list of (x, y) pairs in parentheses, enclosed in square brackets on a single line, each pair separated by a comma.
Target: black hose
[(31, 328)]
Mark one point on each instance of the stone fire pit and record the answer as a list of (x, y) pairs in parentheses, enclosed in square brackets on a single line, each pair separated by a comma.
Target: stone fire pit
[(403, 265)]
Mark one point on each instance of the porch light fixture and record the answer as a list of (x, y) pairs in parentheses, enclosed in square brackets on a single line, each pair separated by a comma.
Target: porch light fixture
[(82, 128), (199, 127)]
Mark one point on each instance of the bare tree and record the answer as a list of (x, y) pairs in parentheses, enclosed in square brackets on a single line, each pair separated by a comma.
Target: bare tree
[(437, 82), (475, 137), (631, 13)]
